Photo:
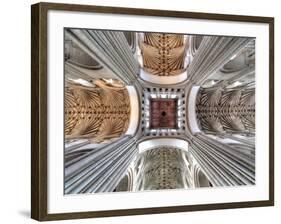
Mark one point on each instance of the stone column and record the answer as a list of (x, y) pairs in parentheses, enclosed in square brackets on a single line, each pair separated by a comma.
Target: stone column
[(223, 164), (109, 48), (101, 169), (212, 53)]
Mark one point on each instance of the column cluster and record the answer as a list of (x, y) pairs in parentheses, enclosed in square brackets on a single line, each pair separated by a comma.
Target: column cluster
[(110, 49), (225, 163), (213, 52), (99, 169)]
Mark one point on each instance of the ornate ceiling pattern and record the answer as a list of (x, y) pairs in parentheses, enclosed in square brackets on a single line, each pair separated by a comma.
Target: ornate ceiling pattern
[(163, 113), (163, 54), (226, 111), (162, 168), (97, 113)]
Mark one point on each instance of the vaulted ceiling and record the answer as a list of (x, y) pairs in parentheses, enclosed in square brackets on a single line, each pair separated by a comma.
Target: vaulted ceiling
[(192, 111), (163, 54), (97, 112)]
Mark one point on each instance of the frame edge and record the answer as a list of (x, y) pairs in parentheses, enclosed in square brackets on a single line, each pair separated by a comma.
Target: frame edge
[(35, 191), (271, 111), (38, 112), (154, 12)]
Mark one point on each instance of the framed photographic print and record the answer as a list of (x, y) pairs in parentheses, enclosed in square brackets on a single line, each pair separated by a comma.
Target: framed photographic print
[(138, 111)]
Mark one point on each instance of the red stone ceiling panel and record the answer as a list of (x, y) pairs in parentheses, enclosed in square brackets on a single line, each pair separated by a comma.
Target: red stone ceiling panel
[(163, 113)]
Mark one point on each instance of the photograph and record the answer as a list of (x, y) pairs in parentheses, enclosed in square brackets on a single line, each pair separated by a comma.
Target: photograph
[(140, 111), (157, 111)]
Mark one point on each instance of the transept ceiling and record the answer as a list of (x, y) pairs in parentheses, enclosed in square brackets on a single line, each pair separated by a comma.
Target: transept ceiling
[(96, 112)]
